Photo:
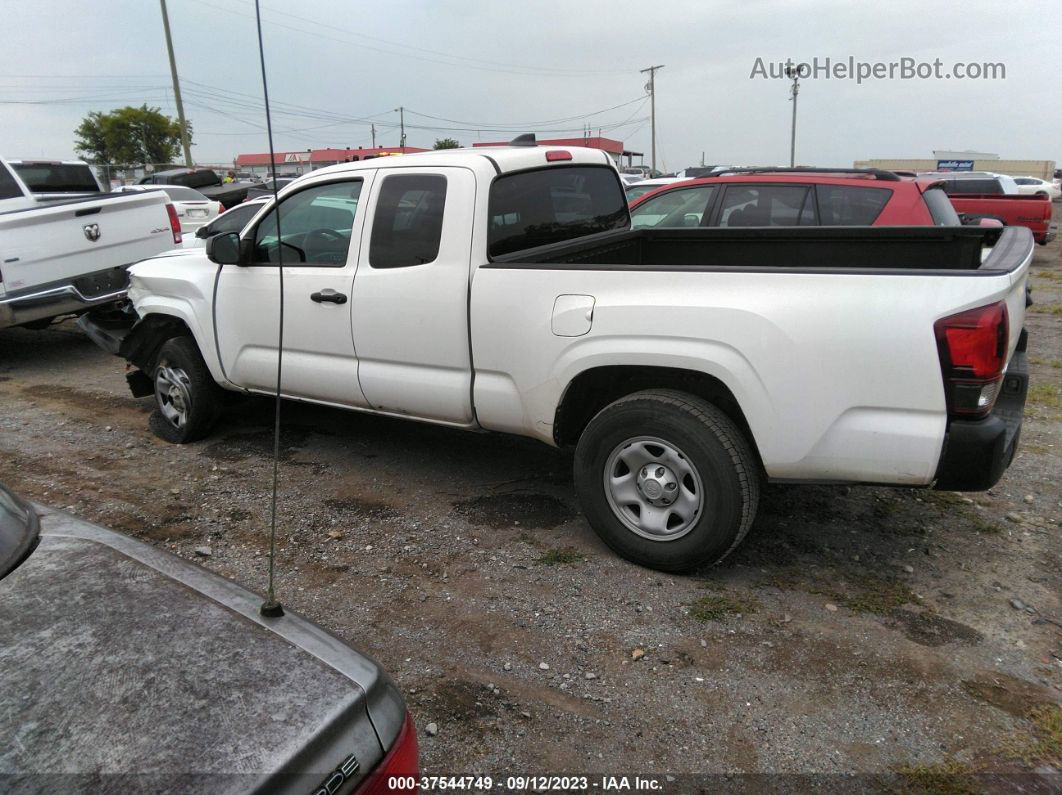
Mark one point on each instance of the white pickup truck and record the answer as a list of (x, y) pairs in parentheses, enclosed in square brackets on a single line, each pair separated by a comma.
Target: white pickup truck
[(503, 289), (69, 255)]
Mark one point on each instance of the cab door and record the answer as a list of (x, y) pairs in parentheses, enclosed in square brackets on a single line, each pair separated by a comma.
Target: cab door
[(319, 238), (411, 294)]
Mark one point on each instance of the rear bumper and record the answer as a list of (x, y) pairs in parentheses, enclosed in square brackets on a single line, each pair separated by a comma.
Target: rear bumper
[(53, 300), (978, 452)]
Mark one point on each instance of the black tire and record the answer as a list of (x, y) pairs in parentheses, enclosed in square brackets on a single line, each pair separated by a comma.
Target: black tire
[(708, 441), (201, 398)]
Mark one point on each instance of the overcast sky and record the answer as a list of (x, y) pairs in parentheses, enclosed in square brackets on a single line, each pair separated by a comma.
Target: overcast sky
[(336, 65)]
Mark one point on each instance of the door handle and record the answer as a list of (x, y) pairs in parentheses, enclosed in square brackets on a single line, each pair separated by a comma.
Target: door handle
[(329, 296)]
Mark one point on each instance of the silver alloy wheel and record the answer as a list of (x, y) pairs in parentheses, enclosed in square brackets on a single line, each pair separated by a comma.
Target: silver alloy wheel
[(653, 488), (173, 394)]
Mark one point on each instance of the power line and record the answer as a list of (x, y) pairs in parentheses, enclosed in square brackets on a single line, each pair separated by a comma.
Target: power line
[(509, 69)]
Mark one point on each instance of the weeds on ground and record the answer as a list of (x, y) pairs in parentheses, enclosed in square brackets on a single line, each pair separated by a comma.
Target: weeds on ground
[(876, 595), (952, 777), (719, 605), (1054, 276), (1046, 746), (1046, 309), (1045, 395), (560, 556)]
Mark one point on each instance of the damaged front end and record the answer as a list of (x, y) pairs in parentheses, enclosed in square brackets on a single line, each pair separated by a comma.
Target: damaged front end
[(121, 332)]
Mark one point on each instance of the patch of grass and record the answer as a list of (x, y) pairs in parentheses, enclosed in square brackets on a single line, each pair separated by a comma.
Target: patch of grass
[(560, 556), (1046, 745), (1046, 309), (982, 525), (1040, 361), (942, 777), (941, 497), (1053, 276), (719, 605), (879, 596), (1046, 395)]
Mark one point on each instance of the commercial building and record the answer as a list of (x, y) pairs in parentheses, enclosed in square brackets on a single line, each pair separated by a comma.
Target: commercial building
[(951, 160), (306, 160)]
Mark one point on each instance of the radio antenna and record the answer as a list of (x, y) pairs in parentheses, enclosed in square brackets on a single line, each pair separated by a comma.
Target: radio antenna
[(271, 607)]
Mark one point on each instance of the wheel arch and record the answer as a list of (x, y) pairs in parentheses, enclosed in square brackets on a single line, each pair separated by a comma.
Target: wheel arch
[(593, 389)]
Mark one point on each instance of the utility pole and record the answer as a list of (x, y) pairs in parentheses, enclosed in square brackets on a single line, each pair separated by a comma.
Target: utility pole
[(402, 121), (793, 73), (176, 87), (373, 136), (651, 88)]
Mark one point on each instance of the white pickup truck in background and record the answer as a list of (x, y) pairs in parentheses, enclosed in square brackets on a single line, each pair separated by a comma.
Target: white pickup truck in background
[(503, 289), (60, 257)]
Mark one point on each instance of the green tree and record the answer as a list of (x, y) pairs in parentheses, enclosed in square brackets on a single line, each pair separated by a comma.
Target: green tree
[(446, 143), (130, 135)]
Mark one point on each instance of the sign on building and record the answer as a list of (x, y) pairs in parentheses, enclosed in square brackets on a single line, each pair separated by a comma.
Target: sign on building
[(955, 165)]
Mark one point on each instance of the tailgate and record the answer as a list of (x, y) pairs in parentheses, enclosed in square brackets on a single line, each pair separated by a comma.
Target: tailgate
[(55, 243)]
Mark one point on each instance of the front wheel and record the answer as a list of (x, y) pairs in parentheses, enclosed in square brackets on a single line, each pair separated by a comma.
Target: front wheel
[(667, 480), (187, 399)]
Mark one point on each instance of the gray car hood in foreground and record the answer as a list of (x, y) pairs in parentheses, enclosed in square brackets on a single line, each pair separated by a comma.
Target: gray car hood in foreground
[(136, 671)]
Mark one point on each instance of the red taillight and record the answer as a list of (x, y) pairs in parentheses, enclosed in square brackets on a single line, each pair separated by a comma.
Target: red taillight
[(972, 346), (175, 224), (557, 154), (403, 760)]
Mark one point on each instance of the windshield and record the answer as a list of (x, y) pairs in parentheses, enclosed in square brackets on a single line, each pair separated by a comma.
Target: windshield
[(940, 207), (635, 191), (551, 205), (19, 531)]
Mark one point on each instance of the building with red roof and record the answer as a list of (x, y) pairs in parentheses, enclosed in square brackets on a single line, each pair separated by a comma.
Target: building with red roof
[(307, 160)]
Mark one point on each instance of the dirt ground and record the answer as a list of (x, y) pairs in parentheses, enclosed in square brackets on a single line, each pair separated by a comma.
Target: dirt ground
[(860, 630)]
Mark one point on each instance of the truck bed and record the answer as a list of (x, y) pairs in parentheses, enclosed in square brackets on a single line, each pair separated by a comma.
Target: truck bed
[(814, 249)]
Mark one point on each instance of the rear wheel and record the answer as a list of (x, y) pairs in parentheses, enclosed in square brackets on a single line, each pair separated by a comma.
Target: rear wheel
[(667, 480), (188, 401)]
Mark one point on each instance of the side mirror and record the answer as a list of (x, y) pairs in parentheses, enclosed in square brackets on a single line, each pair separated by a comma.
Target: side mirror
[(224, 249)]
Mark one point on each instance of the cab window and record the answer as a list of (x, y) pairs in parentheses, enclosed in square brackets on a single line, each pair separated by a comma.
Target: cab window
[(407, 223), (315, 226)]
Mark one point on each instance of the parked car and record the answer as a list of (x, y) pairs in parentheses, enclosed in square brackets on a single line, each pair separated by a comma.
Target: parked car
[(637, 189), (505, 290), (193, 208), (983, 182), (204, 180), (233, 220), (795, 197), (1034, 186), (265, 187), (120, 660), (64, 257), (984, 198), (57, 179)]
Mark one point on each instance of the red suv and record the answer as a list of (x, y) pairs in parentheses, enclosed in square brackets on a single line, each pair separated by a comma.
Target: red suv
[(796, 197)]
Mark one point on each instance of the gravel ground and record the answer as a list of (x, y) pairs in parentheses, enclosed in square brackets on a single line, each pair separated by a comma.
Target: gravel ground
[(858, 629)]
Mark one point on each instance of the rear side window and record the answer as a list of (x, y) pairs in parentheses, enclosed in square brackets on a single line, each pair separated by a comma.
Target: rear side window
[(551, 205), (9, 189), (940, 208), (676, 208), (57, 177), (840, 205), (407, 226), (767, 205), (958, 186)]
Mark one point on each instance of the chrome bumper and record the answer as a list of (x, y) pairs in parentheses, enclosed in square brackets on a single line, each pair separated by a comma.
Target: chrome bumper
[(65, 300)]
